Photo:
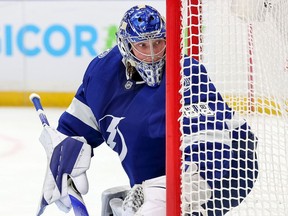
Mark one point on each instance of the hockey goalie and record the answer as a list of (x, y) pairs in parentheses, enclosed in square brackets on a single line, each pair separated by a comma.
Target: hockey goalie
[(121, 103)]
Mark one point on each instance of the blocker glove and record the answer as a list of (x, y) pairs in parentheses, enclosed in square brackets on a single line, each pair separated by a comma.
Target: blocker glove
[(67, 158)]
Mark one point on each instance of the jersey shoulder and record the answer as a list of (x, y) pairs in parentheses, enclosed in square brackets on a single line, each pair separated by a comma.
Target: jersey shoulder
[(106, 63)]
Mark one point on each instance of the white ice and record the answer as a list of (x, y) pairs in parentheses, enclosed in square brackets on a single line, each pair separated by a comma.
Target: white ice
[(23, 165)]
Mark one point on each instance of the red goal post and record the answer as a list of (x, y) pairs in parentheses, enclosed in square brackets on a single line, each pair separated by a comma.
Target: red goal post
[(173, 154), (173, 56)]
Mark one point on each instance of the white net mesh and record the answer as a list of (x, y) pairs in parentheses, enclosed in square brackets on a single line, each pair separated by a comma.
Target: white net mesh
[(243, 44)]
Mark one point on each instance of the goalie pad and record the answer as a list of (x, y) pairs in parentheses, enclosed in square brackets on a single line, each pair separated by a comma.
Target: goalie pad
[(196, 190), (149, 198), (146, 199), (154, 191), (112, 199)]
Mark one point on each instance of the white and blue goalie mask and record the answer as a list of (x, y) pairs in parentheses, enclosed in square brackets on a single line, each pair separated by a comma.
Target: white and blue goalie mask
[(141, 38)]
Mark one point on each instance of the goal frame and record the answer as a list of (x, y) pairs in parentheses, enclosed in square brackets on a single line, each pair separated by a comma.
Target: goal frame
[(173, 97), (258, 94), (173, 153)]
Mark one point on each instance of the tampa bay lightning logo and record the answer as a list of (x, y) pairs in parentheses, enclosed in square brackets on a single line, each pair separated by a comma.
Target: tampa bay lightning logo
[(113, 131)]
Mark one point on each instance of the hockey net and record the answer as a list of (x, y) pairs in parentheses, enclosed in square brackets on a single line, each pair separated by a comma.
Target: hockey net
[(244, 46)]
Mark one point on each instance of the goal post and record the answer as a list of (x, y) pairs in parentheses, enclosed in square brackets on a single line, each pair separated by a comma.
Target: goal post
[(243, 46), (173, 154)]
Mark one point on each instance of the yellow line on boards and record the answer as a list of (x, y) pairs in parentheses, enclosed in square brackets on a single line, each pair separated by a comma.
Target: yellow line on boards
[(48, 99)]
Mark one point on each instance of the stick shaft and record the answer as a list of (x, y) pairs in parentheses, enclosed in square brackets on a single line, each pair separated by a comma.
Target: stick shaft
[(35, 99), (77, 203)]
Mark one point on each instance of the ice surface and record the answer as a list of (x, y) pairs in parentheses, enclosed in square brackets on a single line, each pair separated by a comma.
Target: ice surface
[(23, 165)]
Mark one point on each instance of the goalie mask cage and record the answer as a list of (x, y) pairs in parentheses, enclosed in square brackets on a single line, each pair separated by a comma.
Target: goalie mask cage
[(243, 45)]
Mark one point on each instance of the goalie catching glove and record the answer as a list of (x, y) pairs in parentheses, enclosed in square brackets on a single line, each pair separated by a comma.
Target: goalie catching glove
[(67, 157)]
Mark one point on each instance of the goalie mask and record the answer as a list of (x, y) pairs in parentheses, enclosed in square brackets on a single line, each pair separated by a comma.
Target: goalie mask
[(141, 39)]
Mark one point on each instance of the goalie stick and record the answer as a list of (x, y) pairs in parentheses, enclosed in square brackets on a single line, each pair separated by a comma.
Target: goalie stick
[(76, 199)]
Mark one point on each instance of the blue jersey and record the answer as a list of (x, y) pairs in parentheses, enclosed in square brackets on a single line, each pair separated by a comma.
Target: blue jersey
[(129, 116), (130, 120)]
